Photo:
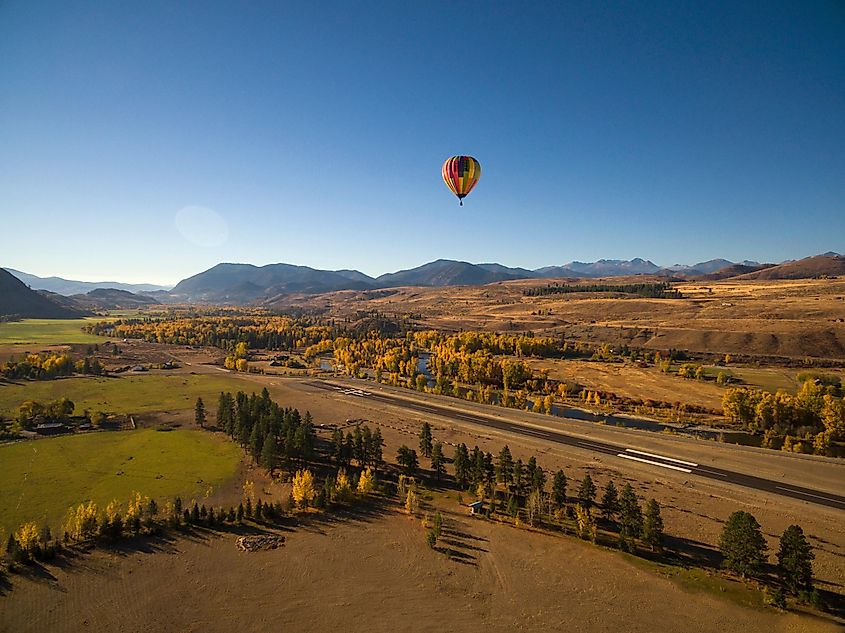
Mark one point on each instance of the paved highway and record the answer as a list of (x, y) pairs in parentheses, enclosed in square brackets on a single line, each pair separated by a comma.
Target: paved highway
[(653, 459)]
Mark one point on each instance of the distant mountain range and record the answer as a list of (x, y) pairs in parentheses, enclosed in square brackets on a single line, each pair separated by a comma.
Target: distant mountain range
[(69, 287), (245, 283)]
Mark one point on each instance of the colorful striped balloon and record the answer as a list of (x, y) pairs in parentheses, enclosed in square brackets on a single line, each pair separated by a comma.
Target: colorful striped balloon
[(460, 173)]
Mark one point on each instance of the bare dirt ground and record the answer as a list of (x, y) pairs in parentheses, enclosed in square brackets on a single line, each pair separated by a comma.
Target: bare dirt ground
[(372, 571), (789, 318), (631, 381)]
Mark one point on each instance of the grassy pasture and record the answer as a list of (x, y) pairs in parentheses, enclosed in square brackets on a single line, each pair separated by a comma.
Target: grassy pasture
[(123, 394), (47, 331), (40, 480)]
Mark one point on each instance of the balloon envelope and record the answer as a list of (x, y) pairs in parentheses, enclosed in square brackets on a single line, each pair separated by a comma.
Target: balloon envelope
[(461, 173)]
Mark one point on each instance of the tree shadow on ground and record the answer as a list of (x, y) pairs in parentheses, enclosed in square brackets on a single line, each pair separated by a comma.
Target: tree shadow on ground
[(460, 544), (457, 556), (687, 553), (466, 546), (372, 509), (35, 571), (5, 583)]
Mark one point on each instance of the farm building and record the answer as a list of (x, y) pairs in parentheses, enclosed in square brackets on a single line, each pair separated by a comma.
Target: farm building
[(50, 428)]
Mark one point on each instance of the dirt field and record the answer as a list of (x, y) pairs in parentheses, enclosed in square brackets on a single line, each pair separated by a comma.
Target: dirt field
[(373, 572), (790, 318), (628, 380)]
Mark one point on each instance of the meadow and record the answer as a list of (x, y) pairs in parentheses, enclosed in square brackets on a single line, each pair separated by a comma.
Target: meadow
[(122, 394), (40, 480), (47, 331)]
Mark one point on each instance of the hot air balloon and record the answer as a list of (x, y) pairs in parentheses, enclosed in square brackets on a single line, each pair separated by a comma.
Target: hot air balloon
[(460, 173)]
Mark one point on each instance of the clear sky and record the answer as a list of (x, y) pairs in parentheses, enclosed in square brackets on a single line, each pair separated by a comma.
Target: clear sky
[(147, 141)]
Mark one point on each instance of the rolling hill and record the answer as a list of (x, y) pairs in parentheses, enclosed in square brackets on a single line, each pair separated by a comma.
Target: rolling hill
[(18, 301), (447, 272), (113, 299), (734, 270), (827, 265)]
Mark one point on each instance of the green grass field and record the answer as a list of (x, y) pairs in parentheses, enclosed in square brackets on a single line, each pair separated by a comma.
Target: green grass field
[(41, 479), (768, 378), (48, 331), (124, 393)]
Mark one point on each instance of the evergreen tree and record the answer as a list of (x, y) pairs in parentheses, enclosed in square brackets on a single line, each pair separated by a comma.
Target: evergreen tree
[(653, 526), (461, 463), (375, 455), (248, 507), (609, 501), (438, 461), (225, 414), (559, 489), (199, 413), (425, 439), (518, 478), (268, 453), (530, 469), (537, 481), (489, 470), (476, 467), (337, 447), (195, 513), (795, 560), (587, 492), (504, 466), (742, 544), (240, 515), (407, 458), (630, 517), (255, 442)]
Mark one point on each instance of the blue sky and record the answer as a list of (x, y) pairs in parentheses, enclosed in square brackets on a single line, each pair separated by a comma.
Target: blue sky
[(313, 133)]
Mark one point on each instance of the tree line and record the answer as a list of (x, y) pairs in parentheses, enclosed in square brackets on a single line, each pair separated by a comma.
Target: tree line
[(647, 290), (812, 420), (49, 365)]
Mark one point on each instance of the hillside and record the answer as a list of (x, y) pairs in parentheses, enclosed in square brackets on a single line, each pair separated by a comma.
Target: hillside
[(827, 265), (734, 270), (446, 272), (237, 283), (113, 299), (16, 300)]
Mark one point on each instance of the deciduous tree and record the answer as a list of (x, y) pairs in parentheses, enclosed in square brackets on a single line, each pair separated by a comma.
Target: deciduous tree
[(302, 488)]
